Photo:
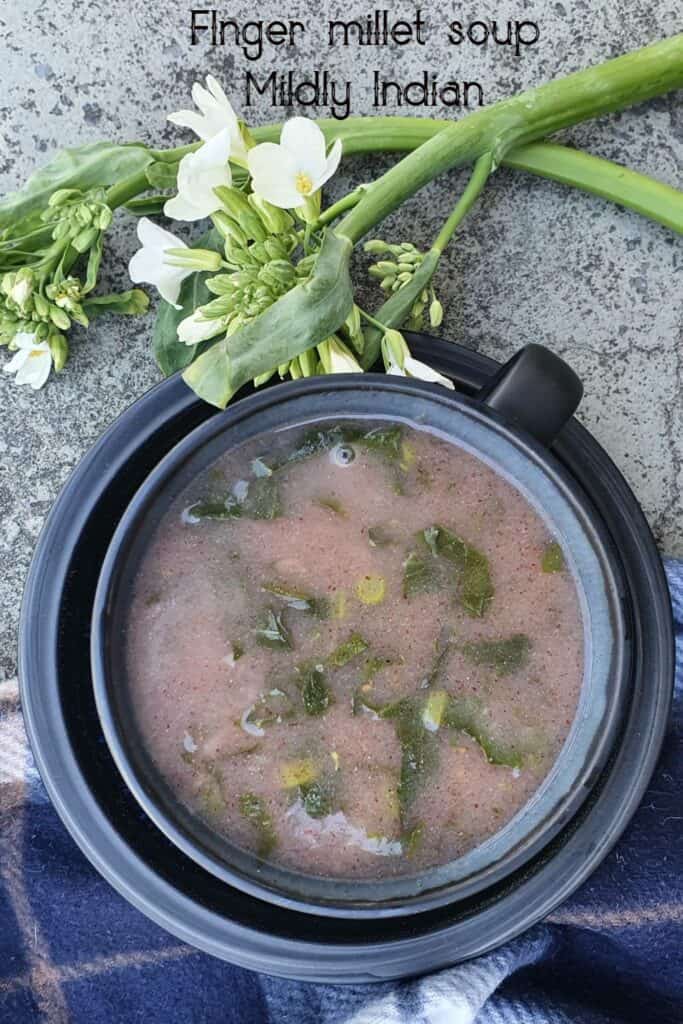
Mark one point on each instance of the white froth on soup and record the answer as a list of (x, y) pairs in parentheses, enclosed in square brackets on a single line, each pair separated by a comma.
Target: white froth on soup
[(355, 651)]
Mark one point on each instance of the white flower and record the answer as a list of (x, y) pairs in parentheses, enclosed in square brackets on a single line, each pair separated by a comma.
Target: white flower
[(216, 115), (32, 361), (148, 264), (336, 357), (196, 328), (289, 174), (414, 368), (198, 175)]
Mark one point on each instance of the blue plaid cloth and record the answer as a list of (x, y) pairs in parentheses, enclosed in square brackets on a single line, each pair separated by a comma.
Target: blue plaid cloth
[(72, 950)]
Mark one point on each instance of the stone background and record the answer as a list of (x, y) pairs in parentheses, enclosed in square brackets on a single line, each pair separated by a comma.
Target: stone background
[(535, 262)]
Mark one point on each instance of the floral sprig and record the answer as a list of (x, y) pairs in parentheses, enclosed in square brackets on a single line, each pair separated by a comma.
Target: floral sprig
[(268, 289)]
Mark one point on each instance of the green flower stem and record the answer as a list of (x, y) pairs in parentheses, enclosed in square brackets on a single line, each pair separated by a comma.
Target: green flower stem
[(347, 202), (480, 175), (525, 118), (126, 189)]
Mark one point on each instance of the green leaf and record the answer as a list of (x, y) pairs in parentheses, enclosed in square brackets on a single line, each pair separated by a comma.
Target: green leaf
[(253, 808), (162, 175), (263, 499), (303, 317), (132, 303), (505, 656), (553, 558), (298, 600), (469, 716), (228, 509), (273, 633), (315, 692), (476, 590), (173, 355), (420, 575), (347, 651), (419, 749), (84, 167), (318, 797)]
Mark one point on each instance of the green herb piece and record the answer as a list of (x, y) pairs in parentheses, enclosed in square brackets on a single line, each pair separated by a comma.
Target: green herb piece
[(315, 693), (384, 441), (350, 649), (212, 801), (253, 808), (412, 839), (263, 499), (467, 715), (237, 650), (226, 509), (298, 599), (504, 656), (273, 633), (475, 587), (318, 797), (333, 505), (439, 663), (418, 748), (380, 537), (434, 710), (553, 558), (153, 598), (299, 772), (420, 575), (260, 469)]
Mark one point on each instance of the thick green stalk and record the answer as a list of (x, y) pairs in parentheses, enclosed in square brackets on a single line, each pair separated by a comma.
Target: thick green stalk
[(532, 115)]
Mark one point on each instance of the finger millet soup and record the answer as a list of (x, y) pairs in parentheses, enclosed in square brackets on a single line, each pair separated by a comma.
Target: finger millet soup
[(354, 649)]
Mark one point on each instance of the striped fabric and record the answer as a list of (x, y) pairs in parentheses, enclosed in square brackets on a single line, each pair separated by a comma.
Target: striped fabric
[(72, 950)]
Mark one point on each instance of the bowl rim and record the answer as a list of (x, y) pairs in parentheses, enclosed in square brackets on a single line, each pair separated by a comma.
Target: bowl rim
[(53, 723), (178, 826)]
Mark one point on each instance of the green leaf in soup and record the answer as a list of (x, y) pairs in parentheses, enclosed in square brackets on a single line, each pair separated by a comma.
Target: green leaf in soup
[(475, 587), (273, 633), (419, 749), (228, 509), (170, 353), (412, 839), (467, 714), (315, 693), (384, 441), (420, 575), (303, 317), (273, 706), (553, 558), (298, 600), (98, 164), (347, 651), (318, 797), (254, 809), (504, 656), (332, 504), (263, 499)]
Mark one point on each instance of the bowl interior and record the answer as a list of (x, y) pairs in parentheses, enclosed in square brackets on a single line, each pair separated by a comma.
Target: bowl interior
[(544, 484)]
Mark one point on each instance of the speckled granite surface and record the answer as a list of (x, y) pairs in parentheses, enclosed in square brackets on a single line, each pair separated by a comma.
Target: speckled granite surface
[(536, 261)]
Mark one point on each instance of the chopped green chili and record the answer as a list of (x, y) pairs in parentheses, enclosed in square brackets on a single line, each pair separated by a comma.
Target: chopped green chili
[(253, 808), (345, 652), (315, 693)]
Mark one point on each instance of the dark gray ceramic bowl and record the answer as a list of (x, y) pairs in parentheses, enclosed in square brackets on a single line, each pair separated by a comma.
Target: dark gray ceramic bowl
[(508, 426)]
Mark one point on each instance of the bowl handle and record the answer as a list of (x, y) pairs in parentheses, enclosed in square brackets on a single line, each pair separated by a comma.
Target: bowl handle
[(536, 391)]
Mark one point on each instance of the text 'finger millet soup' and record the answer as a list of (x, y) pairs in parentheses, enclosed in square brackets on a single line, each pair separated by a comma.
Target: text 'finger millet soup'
[(354, 650)]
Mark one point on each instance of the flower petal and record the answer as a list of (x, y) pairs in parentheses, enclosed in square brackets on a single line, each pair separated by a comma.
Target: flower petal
[(189, 119), (17, 360), (26, 339), (36, 369), (169, 281), (304, 140), (150, 234), (273, 171), (181, 208), (331, 165), (414, 368)]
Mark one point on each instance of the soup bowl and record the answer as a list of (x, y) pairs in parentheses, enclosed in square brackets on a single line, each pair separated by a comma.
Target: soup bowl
[(510, 426)]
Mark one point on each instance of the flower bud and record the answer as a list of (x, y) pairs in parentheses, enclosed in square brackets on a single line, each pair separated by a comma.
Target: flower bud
[(308, 362), (237, 205), (295, 370), (376, 247), (263, 378), (85, 239), (197, 259), (222, 284), (104, 219), (394, 348), (63, 195), (59, 349), (59, 318), (229, 228), (41, 306), (336, 357), (275, 220), (435, 313), (387, 283)]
